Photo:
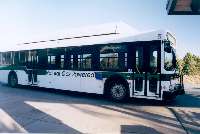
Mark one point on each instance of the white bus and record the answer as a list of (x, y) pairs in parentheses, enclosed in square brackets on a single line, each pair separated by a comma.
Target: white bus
[(140, 66)]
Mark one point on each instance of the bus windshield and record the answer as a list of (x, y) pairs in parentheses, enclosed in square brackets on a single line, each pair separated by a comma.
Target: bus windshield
[(169, 58)]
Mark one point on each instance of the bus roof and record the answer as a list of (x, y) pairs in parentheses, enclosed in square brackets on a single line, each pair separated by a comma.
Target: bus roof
[(102, 34)]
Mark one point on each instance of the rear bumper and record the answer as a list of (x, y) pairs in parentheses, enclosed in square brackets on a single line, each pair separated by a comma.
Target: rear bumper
[(178, 90)]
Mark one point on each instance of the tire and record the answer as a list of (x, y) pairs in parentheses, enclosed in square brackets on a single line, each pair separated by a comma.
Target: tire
[(13, 81), (118, 92)]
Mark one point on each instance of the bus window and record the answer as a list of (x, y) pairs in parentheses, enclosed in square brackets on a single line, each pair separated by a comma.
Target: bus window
[(42, 59), (52, 60), (33, 57), (22, 58), (139, 60), (169, 58), (3, 58), (16, 58), (72, 62), (55, 58), (29, 56), (154, 61), (62, 61), (7, 58), (84, 61), (26, 57), (109, 61), (125, 60)]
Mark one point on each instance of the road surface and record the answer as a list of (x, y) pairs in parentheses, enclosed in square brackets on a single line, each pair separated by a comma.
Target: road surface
[(40, 110)]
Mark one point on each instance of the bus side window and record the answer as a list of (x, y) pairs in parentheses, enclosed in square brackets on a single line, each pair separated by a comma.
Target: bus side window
[(85, 61), (8, 59), (56, 58), (59, 61), (72, 61), (21, 58), (122, 61), (153, 61), (125, 60), (3, 58), (139, 60), (51, 61), (16, 58), (109, 61), (26, 57), (42, 59), (62, 61)]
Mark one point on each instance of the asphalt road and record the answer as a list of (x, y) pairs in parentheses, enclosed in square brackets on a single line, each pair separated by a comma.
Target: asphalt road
[(40, 110)]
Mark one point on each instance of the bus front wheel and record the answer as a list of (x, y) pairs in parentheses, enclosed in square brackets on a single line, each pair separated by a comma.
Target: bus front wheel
[(118, 92), (13, 81)]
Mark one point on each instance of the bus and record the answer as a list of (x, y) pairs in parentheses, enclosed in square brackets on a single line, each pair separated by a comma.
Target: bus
[(120, 67)]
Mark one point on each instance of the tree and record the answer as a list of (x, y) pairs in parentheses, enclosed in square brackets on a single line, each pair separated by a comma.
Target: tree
[(180, 65), (191, 64), (197, 64)]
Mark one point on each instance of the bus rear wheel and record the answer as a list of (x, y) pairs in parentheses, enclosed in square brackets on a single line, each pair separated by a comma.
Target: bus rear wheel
[(118, 92), (13, 81)]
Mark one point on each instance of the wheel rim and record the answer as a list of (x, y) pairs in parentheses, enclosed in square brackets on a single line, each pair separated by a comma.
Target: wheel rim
[(118, 92)]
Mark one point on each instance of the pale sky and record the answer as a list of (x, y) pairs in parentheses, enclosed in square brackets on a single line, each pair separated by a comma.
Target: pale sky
[(22, 20)]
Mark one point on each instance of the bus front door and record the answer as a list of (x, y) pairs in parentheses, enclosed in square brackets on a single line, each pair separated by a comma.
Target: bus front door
[(153, 74), (139, 74), (146, 76), (32, 70)]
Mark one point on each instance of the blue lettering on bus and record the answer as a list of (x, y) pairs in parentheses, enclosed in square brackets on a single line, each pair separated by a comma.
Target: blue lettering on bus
[(69, 74)]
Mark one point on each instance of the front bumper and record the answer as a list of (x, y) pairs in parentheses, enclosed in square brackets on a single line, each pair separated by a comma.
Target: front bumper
[(178, 90)]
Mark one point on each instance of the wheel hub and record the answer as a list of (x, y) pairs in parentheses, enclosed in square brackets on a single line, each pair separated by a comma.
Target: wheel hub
[(118, 91)]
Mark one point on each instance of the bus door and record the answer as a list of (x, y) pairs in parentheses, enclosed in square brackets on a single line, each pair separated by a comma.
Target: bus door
[(139, 75), (32, 70), (153, 74)]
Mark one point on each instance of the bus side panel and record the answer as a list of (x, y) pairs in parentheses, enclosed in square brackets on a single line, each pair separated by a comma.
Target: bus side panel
[(22, 77), (91, 84), (71, 80), (4, 76), (59, 79)]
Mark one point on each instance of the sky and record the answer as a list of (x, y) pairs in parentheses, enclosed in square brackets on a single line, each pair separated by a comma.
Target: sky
[(27, 19)]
